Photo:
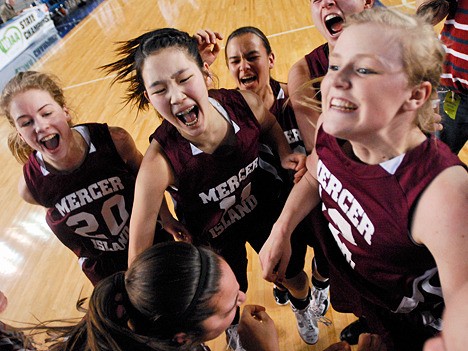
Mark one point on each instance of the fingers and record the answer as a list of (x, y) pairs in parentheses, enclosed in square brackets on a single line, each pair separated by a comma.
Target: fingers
[(207, 36), (253, 309)]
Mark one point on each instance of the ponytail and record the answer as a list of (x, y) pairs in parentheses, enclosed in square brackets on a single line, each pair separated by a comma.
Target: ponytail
[(436, 10)]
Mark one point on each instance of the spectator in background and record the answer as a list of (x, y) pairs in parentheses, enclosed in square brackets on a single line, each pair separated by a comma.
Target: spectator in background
[(7, 10)]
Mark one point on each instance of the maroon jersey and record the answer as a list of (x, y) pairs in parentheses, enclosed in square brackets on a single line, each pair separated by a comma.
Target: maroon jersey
[(369, 208), (215, 192), (284, 114), (89, 208), (317, 61)]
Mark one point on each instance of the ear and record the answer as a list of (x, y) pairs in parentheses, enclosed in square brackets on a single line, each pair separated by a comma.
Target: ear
[(67, 113), (271, 60), (207, 74), (146, 96), (419, 95), (180, 338), (368, 4)]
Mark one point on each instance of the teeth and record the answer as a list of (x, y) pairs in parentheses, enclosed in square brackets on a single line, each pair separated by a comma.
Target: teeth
[(47, 138), (342, 104), (185, 113), (331, 16)]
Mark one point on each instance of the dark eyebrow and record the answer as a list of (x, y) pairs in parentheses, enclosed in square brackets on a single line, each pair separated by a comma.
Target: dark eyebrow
[(247, 54), (180, 71), (24, 116)]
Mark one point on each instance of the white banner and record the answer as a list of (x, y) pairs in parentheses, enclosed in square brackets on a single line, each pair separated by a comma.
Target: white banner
[(18, 34)]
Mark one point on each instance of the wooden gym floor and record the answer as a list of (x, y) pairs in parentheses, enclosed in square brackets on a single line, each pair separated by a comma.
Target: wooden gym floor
[(41, 277)]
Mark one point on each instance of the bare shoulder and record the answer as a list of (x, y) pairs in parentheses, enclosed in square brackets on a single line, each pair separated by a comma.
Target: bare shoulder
[(24, 191), (119, 135), (298, 74), (443, 205)]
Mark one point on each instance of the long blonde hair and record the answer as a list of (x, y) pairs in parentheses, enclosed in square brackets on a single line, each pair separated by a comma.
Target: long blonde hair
[(20, 83), (422, 52)]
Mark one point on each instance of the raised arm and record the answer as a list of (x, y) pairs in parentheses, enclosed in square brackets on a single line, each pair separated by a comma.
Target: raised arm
[(154, 177), (208, 44), (305, 116), (440, 223), (276, 252)]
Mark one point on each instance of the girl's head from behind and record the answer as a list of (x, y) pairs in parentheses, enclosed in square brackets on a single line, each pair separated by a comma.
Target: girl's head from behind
[(384, 63), (23, 95), (249, 58), (175, 296)]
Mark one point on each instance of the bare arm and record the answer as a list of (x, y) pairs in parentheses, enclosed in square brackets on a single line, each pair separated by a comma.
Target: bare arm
[(305, 116), (440, 223), (276, 252), (24, 192), (126, 148), (154, 177)]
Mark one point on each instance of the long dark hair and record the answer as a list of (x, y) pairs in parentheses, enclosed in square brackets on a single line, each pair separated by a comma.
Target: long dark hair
[(134, 52), (252, 30), (167, 290)]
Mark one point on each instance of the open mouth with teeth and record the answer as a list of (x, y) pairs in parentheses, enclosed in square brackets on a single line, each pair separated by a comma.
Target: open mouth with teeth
[(334, 23), (248, 80), (342, 105), (189, 117), (51, 142)]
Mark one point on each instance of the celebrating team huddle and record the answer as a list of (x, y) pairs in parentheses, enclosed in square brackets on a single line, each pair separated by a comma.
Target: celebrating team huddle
[(344, 159)]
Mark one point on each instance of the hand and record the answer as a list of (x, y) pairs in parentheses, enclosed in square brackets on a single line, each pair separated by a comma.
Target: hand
[(370, 342), (438, 126), (208, 46), (3, 302), (339, 346), (296, 162), (176, 229), (257, 330), (274, 255)]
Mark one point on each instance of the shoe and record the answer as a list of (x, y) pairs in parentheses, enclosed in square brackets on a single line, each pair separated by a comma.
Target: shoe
[(232, 338), (307, 323), (351, 333), (281, 296), (320, 299)]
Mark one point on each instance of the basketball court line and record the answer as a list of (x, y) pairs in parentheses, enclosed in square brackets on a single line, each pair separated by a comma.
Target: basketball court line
[(404, 3)]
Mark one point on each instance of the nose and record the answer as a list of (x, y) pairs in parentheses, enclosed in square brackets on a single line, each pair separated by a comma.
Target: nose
[(341, 79), (41, 124), (241, 298), (177, 96), (244, 65), (329, 3)]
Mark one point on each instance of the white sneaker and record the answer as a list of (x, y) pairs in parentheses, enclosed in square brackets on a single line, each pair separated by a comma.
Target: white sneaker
[(232, 338), (307, 323), (320, 299)]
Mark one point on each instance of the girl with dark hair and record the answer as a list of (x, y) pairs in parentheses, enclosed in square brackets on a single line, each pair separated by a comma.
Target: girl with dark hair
[(250, 58), (205, 153)]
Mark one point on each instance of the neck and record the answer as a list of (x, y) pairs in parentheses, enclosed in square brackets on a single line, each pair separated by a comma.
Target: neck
[(75, 154), (378, 149), (266, 94)]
